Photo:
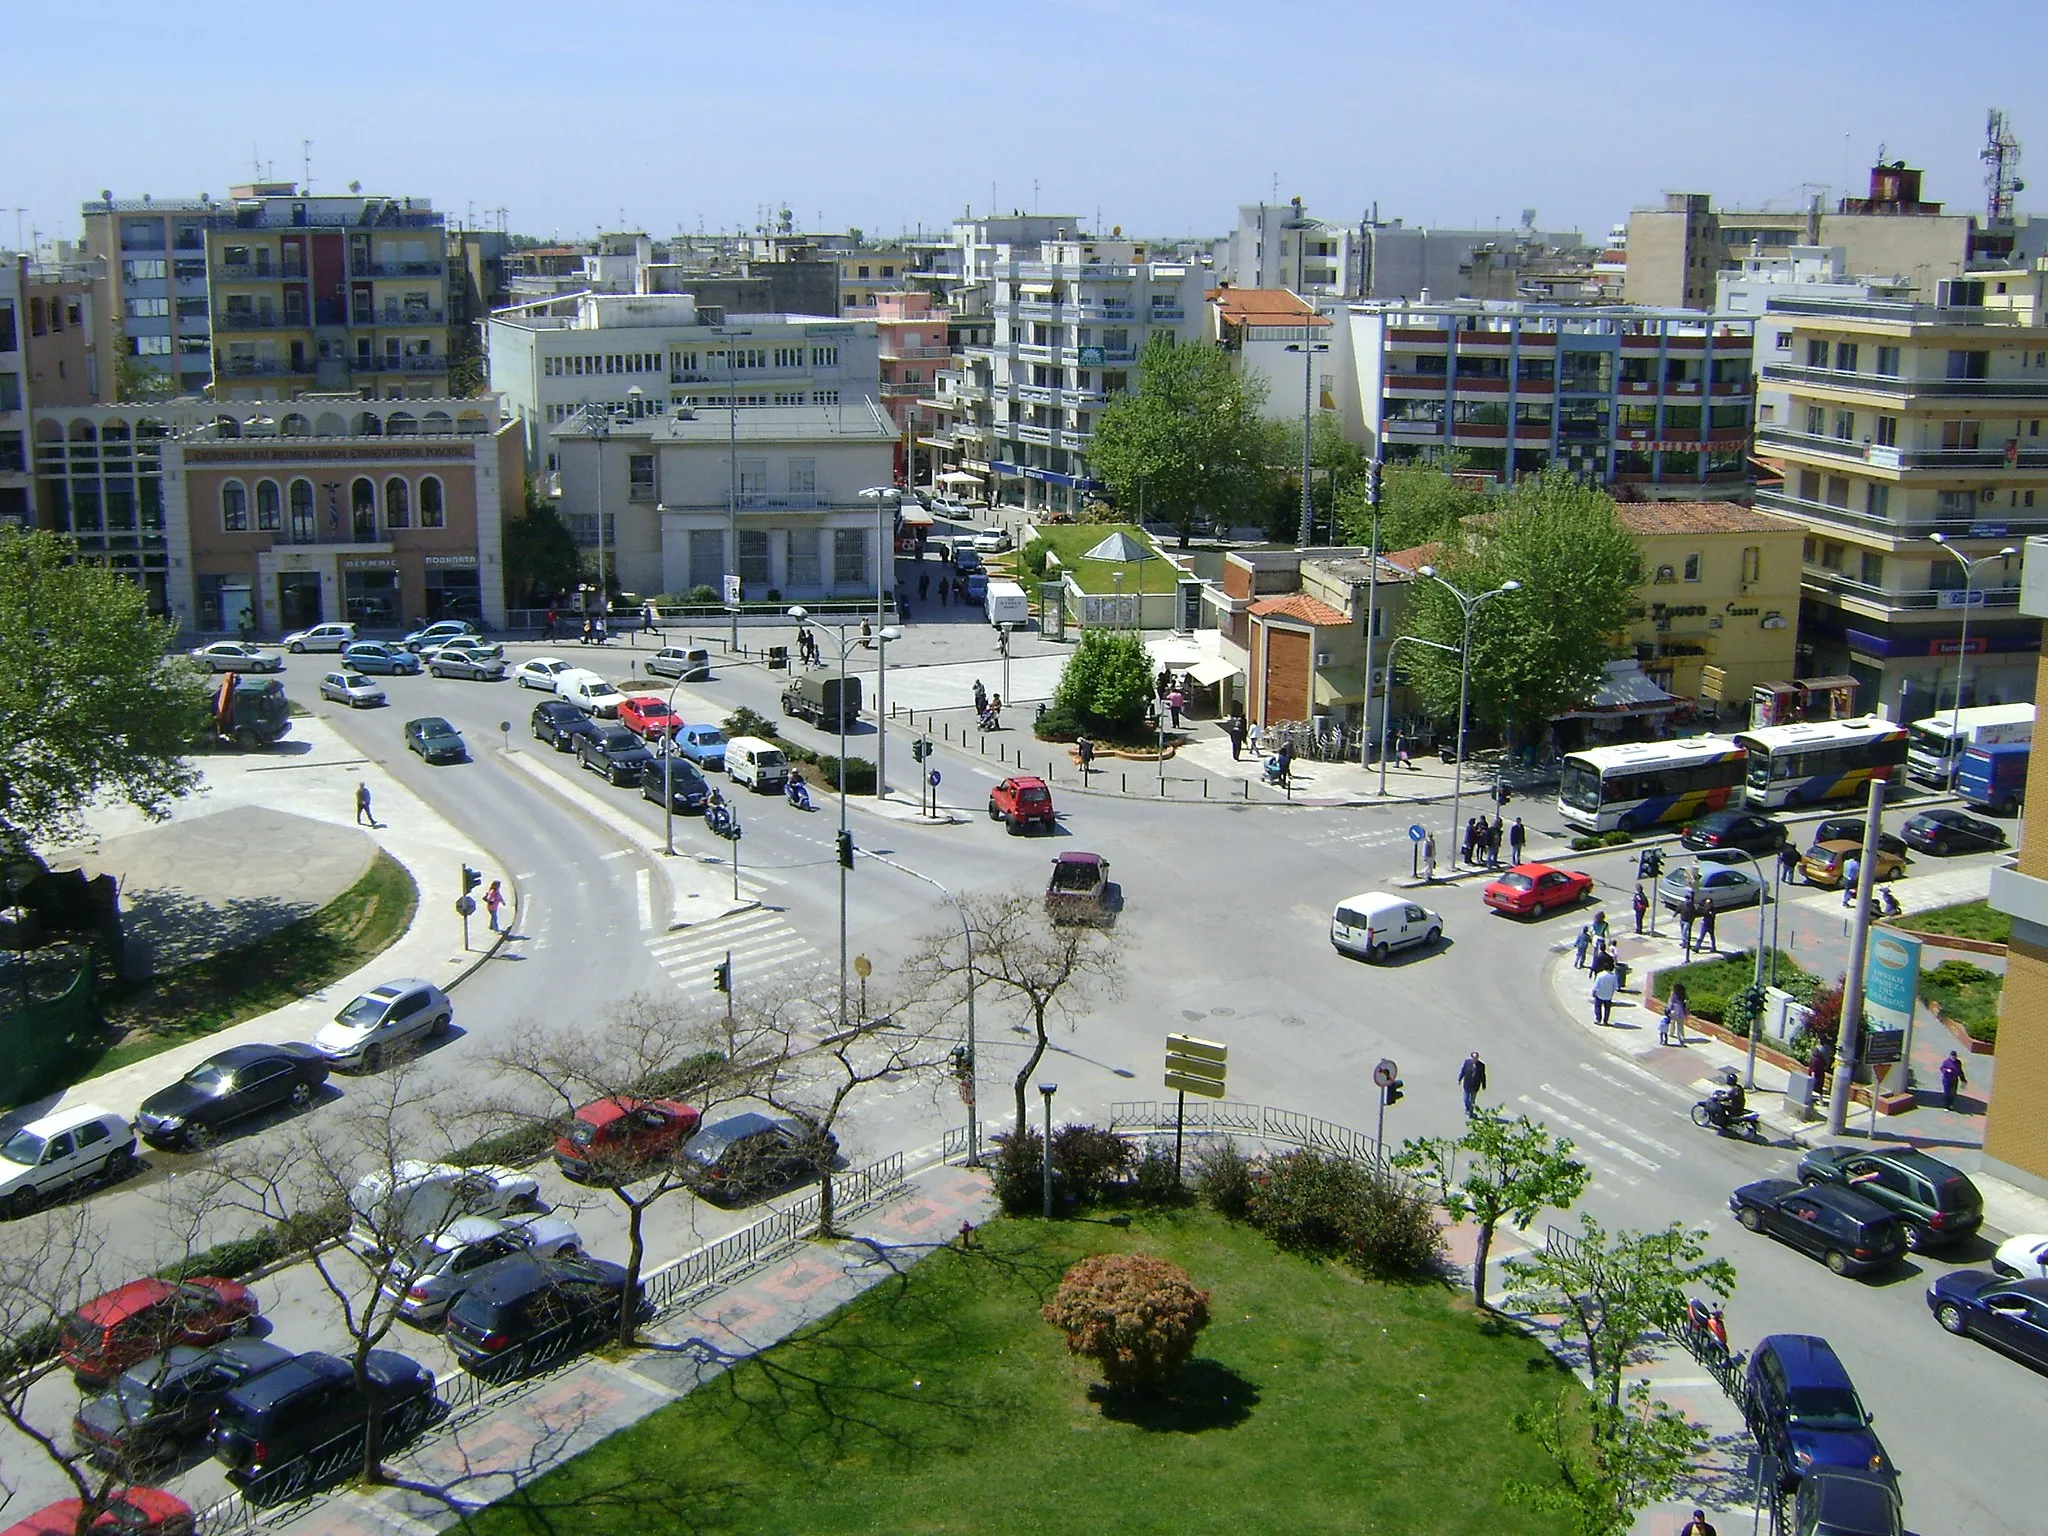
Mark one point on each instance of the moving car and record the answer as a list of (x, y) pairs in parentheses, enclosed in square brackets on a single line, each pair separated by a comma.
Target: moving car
[(523, 1307), (352, 689), (703, 745), (1849, 1233), (965, 556), (67, 1147), (751, 1154), (645, 715), (1530, 890), (973, 585), (690, 663), (1803, 1408), (382, 658), (144, 1317), (755, 763), (1946, 832), (1373, 925), (1719, 888), (2022, 1258), (464, 661), (561, 724), (688, 789), (160, 1405), (266, 1426), (235, 656), (1079, 891), (828, 701), (1937, 1203), (435, 740), (321, 637), (413, 1199), (2011, 1315), (610, 1138), (385, 1021), (1825, 863), (589, 692), (438, 1268), (991, 541), (615, 752), (540, 672), (437, 633), (1736, 829), (229, 1085), (130, 1512), (1021, 802)]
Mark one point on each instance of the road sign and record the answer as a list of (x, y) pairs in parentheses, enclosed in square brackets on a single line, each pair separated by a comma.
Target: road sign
[(1415, 832), (863, 967), (465, 906), (1195, 1066), (732, 591), (934, 777), (1385, 1073)]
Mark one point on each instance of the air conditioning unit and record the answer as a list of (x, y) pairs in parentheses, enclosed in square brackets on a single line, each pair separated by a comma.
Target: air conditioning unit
[(1325, 658)]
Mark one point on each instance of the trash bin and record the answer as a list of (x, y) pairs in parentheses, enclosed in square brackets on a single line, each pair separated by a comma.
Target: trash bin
[(778, 658), (1621, 975)]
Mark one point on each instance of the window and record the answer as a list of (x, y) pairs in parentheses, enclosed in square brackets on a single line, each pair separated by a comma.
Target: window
[(1888, 362), (1752, 564), (267, 519), (432, 512), (849, 556), (10, 391), (1642, 417), (1969, 365), (753, 478), (234, 507), (1845, 357), (1816, 420), (804, 571), (825, 357), (1816, 354), (1784, 341), (397, 503), (789, 357), (707, 557), (302, 511), (1682, 418), (1960, 435), (1872, 569), (1723, 418), (1838, 491), (362, 508), (1831, 557), (151, 269), (824, 397), (1845, 425), (803, 476), (754, 562), (1692, 567), (863, 272), (1877, 499), (1887, 435), (640, 476), (146, 309)]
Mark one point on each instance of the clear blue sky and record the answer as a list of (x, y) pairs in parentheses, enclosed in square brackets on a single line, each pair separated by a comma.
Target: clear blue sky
[(1162, 115)]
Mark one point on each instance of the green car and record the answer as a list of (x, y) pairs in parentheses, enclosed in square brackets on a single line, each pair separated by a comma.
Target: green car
[(435, 740)]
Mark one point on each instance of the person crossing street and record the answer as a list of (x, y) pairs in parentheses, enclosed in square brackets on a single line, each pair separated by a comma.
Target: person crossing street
[(1472, 1079)]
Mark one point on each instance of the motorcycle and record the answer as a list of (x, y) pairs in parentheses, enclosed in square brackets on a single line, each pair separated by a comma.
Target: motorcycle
[(1889, 902), (1715, 1113), (721, 820), (797, 793)]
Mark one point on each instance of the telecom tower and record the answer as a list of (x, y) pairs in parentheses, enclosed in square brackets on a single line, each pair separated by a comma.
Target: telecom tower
[(2001, 157)]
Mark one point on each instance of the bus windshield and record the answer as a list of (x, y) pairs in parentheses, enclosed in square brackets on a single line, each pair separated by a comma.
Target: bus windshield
[(1758, 774), (1580, 787)]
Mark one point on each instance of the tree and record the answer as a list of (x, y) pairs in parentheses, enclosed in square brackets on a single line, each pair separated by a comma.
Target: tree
[(1419, 504), (541, 557), (1190, 441), (89, 706), (1614, 1290), (1104, 687), (1609, 1470), (1513, 1170), (1539, 651), (1135, 1316)]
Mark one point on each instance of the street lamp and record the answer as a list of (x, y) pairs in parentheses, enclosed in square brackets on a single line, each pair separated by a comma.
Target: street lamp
[(883, 497), (1756, 1023), (1386, 715), (846, 644), (596, 424), (1048, 1089), (1471, 607), (1955, 758), (1308, 350)]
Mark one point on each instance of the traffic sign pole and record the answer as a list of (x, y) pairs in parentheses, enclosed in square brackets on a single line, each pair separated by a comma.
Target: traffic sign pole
[(1384, 1076), (1192, 1066)]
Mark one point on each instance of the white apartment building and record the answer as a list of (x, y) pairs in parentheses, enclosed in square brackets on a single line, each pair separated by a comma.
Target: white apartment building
[(643, 354), (1277, 245), (773, 492), (15, 507), (1802, 272)]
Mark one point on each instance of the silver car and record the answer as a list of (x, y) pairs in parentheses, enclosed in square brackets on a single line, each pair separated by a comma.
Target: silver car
[(352, 689), (385, 1022), (1720, 887), (462, 661), (428, 1278), (235, 656)]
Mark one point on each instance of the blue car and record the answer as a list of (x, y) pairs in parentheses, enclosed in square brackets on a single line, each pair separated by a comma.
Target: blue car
[(1803, 1409), (2011, 1315), (378, 656), (703, 745)]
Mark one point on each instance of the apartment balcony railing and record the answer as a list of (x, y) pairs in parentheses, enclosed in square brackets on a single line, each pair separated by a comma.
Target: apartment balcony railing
[(1911, 599), (1994, 523), (1168, 312), (433, 267), (1042, 436), (769, 501), (1902, 388), (254, 320), (259, 368), (2030, 454), (891, 350), (413, 363), (400, 317), (1900, 311), (253, 272)]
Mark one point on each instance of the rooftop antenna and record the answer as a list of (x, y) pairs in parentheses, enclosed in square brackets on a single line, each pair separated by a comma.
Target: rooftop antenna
[(306, 166), (2001, 157)]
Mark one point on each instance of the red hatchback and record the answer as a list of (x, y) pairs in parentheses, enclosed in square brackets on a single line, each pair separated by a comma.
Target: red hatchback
[(1021, 801), (131, 1512), (646, 716), (1530, 890), (146, 1317), (614, 1137)]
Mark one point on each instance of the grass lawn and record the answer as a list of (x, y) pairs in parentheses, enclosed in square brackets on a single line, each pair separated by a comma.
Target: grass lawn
[(1070, 541), (1966, 920), (1710, 983), (1317, 1402), (1966, 993)]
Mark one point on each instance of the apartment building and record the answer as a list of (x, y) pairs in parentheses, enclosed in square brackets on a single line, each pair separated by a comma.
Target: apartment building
[(150, 313), (1905, 420), (912, 339), (15, 499), (1277, 245), (1801, 272), (642, 354), (1265, 331)]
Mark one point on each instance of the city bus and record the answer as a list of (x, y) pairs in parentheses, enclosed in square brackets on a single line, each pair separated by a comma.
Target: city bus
[(1647, 782), (1822, 760), (1935, 745)]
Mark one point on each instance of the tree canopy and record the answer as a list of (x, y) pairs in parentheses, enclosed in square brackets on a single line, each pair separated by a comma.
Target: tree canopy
[(1189, 442), (541, 557), (1103, 689), (1419, 504), (88, 703), (1499, 1170)]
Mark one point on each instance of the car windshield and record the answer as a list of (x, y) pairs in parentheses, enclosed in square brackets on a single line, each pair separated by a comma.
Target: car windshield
[(1957, 1194), (1824, 1408), (362, 1013), (23, 1147), (1516, 882), (211, 1076), (421, 1258), (582, 1133), (708, 738)]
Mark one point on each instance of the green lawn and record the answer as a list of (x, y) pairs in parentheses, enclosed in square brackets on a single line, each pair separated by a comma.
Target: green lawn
[(1967, 994), (1966, 920), (1071, 541), (1710, 983), (1317, 1402)]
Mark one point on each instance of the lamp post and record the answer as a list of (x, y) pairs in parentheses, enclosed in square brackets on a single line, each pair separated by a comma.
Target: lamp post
[(1308, 350), (1471, 607), (668, 778), (1372, 592), (1048, 1089), (597, 426), (967, 938), (885, 556), (1963, 644), (1385, 717), (1756, 1023)]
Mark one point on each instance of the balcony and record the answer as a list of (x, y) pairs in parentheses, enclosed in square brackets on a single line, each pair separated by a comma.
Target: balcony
[(251, 272), (1896, 387), (1429, 383), (890, 351), (1168, 314), (259, 368), (1880, 456), (255, 320), (1042, 436), (415, 363), (429, 268), (1999, 523), (395, 316), (1911, 599)]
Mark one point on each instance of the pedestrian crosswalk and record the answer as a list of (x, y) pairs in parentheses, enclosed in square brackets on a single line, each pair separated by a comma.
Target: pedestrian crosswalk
[(759, 941), (1618, 1152), (1333, 833)]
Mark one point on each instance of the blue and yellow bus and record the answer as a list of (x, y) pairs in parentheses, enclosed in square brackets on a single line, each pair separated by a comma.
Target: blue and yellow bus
[(1820, 761), (1645, 782)]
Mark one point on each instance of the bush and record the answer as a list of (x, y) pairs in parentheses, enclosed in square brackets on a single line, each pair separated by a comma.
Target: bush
[(30, 1348), (701, 594), (1135, 1316), (1032, 557), (1394, 1231), (1617, 838), (859, 772), (1106, 684), (1090, 1162), (1304, 1201), (1224, 1179), (1057, 723), (747, 722), (1018, 1173), (1157, 1182)]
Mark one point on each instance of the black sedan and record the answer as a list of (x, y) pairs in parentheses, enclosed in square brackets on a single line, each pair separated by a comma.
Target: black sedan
[(561, 724), (687, 787), (2011, 1315), (748, 1155), (1736, 829), (1845, 1231), (435, 740), (241, 1080), (158, 1408), (1952, 832), (616, 753)]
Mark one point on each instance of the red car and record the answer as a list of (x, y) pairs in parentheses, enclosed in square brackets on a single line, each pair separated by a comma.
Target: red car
[(145, 1317), (605, 1138), (644, 715), (1530, 890), (1021, 802), (131, 1512)]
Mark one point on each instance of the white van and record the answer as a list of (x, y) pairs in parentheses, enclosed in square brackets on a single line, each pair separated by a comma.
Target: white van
[(1007, 604), (1373, 925), (588, 691), (755, 763)]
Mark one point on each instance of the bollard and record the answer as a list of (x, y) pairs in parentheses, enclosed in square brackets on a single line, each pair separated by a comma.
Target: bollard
[(1124, 783), (1247, 783), (1205, 789), (1162, 786)]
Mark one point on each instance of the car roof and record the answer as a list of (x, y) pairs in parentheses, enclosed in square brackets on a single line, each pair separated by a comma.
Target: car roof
[(749, 1122), (264, 1391), (396, 986), (1907, 1157), (124, 1299), (430, 723), (243, 1055), (1371, 900), (1808, 1359), (70, 1117), (1025, 781)]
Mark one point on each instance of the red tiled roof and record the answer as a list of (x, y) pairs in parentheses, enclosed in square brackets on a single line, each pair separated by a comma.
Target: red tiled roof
[(1421, 554), (1299, 605), (1263, 306)]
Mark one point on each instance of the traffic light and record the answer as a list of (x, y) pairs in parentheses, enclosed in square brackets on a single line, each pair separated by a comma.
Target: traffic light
[(1391, 1095), (920, 748), (1646, 866), (1373, 483), (846, 850), (721, 975), (470, 879)]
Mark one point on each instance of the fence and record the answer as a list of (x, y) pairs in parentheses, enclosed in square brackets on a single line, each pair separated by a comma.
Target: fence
[(1224, 1117)]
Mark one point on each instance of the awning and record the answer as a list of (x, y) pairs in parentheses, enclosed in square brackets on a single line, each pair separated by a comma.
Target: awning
[(915, 516), (1213, 669), (959, 477), (1625, 689)]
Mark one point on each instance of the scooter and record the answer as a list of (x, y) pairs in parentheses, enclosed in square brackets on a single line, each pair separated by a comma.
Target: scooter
[(721, 820), (1713, 1114), (797, 793)]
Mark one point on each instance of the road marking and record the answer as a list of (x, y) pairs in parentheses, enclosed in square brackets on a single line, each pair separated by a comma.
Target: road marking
[(1606, 1167), (623, 853), (643, 891), (757, 940), (1620, 1125), (1663, 1085)]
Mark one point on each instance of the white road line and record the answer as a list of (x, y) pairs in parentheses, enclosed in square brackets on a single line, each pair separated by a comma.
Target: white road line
[(622, 853), (1620, 1125), (1635, 1070), (643, 891), (1551, 1112)]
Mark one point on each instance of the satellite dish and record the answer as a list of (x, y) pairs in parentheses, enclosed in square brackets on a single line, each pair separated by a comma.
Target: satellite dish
[(355, 186)]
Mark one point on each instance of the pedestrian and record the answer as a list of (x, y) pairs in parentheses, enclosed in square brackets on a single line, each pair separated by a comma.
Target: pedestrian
[(1698, 1525), (1788, 864), (363, 811), (603, 634), (944, 587), (1688, 914), (1605, 985), (588, 629), (547, 630), (1602, 956), (1234, 729), (1817, 1067), (867, 635), (1580, 945), (1471, 838), (980, 699), (924, 584), (1472, 1078), (1493, 841), (1707, 939), (1640, 905), (1518, 839), (1174, 703), (1951, 1079), (1402, 757), (1165, 681), (1429, 858), (1852, 867), (1671, 1030), (1084, 749), (1601, 930), (494, 900)]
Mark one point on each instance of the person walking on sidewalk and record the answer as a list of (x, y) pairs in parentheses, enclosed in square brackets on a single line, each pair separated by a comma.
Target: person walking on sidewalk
[(1175, 702), (494, 901), (1518, 839), (1852, 867), (1234, 729), (1707, 940), (363, 811), (1493, 842), (1606, 982), (1951, 1079), (1788, 864), (1580, 945), (1401, 754), (1671, 1029), (1698, 1525), (1429, 858), (1688, 914), (1472, 1078), (1639, 904), (1817, 1067), (1601, 931)]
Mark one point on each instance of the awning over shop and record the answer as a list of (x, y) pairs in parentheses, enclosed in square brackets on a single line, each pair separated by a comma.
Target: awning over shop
[(959, 477), (1625, 690), (1213, 669)]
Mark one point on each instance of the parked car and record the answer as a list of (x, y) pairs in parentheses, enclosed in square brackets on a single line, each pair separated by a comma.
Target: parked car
[(2011, 1315), (435, 740), (413, 1199), (471, 645), (384, 1022), (609, 1138), (1372, 925), (1825, 863), (1842, 1501), (439, 631), (235, 656), (1849, 1233), (1736, 829), (991, 541), (1530, 890), (321, 637), (751, 1154), (382, 658), (540, 672), (590, 692), (645, 715), (65, 1148), (1719, 888), (160, 1405), (438, 1269), (2022, 1258), (1835, 829), (144, 1317), (267, 1426), (703, 745), (519, 1307), (464, 661), (616, 753), (1022, 802), (561, 724), (129, 1512), (973, 585), (1803, 1408), (352, 689), (229, 1085), (1945, 832), (965, 556), (690, 663), (688, 790), (1937, 1203)]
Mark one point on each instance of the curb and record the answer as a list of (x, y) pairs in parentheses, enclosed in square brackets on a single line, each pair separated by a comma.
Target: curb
[(1951, 941), (1964, 1038)]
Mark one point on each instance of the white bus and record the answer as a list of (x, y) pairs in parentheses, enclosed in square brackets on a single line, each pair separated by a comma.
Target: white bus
[(1646, 782), (1935, 746), (1819, 761)]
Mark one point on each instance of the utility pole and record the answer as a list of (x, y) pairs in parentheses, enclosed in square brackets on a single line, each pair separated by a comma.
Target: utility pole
[(1852, 983), (1372, 591)]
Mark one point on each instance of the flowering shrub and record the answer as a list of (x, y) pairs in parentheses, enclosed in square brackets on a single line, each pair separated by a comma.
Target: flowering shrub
[(1135, 1316)]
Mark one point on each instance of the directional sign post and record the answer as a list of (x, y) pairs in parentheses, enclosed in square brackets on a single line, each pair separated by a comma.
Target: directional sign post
[(1192, 1066), (1415, 836), (1387, 1077)]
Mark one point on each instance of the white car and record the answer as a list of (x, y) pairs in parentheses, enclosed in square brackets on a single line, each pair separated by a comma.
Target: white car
[(352, 689), (991, 541), (431, 1275), (589, 693), (415, 1199), (468, 643), (540, 672), (385, 1021), (234, 656), (66, 1147), (461, 661), (321, 637), (1373, 924), (2022, 1258)]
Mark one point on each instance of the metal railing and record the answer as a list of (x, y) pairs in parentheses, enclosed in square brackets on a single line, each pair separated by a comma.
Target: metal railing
[(1896, 384), (1226, 1117)]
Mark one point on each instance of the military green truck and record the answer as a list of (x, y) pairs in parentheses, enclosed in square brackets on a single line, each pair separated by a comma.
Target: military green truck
[(250, 712), (823, 698)]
